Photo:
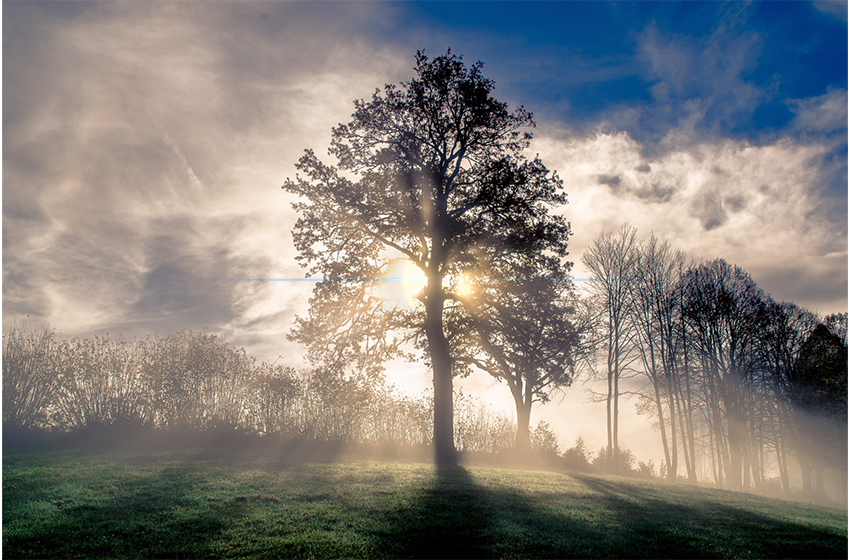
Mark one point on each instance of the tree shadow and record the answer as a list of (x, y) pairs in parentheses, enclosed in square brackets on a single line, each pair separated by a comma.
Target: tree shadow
[(454, 517), (653, 526), (448, 519)]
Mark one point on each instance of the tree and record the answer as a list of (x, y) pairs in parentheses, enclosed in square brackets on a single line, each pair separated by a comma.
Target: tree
[(430, 172), (655, 309), (30, 376), (818, 392), (788, 327), (522, 334), (611, 260), (726, 313)]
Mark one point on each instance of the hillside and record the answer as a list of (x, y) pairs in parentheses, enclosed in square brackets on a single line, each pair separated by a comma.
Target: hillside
[(195, 504)]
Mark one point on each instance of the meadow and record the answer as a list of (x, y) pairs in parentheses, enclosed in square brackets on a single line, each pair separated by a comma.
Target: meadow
[(237, 503)]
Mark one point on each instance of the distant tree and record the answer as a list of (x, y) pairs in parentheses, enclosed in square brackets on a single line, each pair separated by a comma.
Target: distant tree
[(100, 383), (544, 440), (655, 308), (788, 327), (726, 314), (614, 461), (433, 173), (837, 325), (577, 457), (818, 393), (612, 260)]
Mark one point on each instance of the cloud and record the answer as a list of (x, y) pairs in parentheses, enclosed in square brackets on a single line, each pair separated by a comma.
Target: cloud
[(698, 84), (821, 115), (757, 206), (145, 144), (835, 8), (144, 149)]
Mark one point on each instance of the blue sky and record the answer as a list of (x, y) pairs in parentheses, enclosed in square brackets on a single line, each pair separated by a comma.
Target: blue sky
[(144, 143)]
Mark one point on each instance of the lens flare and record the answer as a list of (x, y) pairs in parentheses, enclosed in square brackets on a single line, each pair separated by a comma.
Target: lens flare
[(402, 282)]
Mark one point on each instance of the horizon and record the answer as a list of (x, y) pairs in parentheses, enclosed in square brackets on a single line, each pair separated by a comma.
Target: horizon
[(145, 145)]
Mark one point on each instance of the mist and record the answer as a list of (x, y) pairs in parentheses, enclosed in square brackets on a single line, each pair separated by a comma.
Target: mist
[(145, 145)]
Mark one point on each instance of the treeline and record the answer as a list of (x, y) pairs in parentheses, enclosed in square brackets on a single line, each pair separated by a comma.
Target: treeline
[(195, 383), (737, 383), (191, 381)]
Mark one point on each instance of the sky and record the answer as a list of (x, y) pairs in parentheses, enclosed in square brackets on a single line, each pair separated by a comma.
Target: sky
[(145, 143)]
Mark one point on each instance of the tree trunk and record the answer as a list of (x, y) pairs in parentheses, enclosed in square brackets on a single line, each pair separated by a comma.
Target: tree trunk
[(615, 419), (523, 419), (441, 363), (610, 394), (660, 411), (806, 471)]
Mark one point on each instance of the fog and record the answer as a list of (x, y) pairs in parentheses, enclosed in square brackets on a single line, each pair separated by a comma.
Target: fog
[(145, 145)]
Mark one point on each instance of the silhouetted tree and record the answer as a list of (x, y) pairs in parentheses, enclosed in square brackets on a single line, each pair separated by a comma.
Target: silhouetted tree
[(521, 332), (726, 314), (788, 327), (432, 172), (818, 392), (611, 260), (656, 312), (30, 376)]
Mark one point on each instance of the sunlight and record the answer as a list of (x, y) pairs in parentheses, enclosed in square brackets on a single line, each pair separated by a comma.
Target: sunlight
[(464, 285), (403, 282)]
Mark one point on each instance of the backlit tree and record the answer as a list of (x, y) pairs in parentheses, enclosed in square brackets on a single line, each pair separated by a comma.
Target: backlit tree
[(431, 173)]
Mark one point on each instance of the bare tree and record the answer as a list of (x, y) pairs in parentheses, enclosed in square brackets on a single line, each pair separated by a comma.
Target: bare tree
[(726, 314), (655, 308), (30, 376), (611, 260)]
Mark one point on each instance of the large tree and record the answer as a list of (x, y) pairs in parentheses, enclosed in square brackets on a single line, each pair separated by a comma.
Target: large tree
[(431, 172)]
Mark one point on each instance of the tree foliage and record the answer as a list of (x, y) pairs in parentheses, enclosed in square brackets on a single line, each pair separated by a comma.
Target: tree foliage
[(432, 172)]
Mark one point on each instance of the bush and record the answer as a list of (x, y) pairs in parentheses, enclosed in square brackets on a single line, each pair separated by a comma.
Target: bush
[(577, 458), (614, 461), (544, 440)]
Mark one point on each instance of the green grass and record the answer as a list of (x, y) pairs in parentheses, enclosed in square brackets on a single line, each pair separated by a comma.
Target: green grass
[(240, 504)]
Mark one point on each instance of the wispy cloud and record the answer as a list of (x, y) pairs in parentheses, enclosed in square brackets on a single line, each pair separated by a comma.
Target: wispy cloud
[(145, 144)]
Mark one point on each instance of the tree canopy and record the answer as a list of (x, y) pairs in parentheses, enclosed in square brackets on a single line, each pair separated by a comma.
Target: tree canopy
[(433, 172)]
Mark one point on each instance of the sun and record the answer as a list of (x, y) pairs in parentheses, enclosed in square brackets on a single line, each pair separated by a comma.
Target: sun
[(464, 285), (402, 282)]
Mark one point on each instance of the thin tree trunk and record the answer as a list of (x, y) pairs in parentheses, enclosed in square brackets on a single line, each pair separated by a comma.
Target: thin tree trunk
[(616, 415), (660, 410), (610, 389)]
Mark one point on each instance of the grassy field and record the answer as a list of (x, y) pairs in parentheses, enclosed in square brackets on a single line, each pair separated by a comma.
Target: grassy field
[(240, 504)]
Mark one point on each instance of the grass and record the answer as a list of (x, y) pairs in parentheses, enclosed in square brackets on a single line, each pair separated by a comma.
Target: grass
[(246, 504)]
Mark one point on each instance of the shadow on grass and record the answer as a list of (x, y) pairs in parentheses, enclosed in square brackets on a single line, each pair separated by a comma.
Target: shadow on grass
[(152, 516), (448, 519), (651, 527), (455, 517), (207, 509)]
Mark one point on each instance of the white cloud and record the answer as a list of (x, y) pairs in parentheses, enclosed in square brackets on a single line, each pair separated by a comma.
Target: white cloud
[(757, 206), (145, 148), (824, 114)]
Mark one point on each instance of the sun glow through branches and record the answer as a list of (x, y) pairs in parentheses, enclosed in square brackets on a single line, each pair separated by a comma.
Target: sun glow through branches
[(403, 282)]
